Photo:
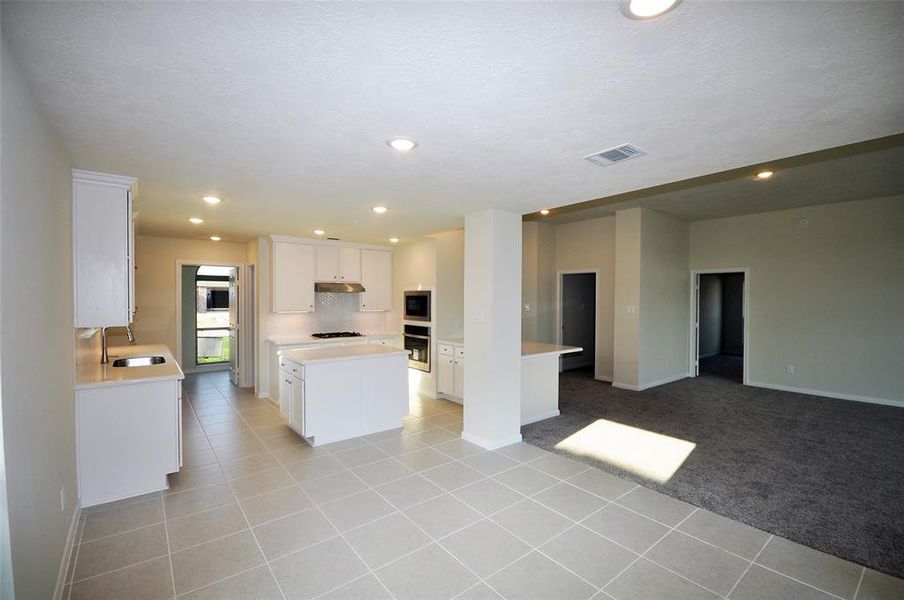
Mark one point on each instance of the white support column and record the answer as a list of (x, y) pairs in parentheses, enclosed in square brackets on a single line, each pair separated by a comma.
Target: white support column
[(492, 407)]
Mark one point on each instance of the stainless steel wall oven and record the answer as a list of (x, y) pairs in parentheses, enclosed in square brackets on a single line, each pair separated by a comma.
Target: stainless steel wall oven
[(417, 342)]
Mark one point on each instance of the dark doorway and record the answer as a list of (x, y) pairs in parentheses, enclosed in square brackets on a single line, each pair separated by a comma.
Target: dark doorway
[(578, 320), (721, 342)]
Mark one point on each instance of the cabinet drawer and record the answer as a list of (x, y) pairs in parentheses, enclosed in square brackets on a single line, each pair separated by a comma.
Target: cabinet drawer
[(295, 369), (283, 363), (460, 351), (446, 349)]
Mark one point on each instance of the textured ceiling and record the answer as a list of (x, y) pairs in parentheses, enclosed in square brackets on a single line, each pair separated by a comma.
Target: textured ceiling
[(283, 108), (856, 177)]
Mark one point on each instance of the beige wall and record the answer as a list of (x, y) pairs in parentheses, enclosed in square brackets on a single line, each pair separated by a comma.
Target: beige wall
[(414, 268), (827, 298), (449, 302), (587, 246), (36, 319), (664, 298), (538, 282), (627, 298), (155, 282)]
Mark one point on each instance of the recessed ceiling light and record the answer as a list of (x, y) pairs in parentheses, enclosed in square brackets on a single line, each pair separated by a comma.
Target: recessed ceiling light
[(211, 199), (195, 220), (764, 175), (646, 9), (319, 232), (379, 209), (215, 238), (402, 144), (544, 212), (394, 240)]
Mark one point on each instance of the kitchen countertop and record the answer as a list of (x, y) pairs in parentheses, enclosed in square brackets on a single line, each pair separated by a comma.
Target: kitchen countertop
[(536, 349), (307, 356), (98, 375), (289, 339), (529, 349)]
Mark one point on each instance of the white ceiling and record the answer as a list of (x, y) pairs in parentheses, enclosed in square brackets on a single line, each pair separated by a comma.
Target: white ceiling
[(873, 174), (283, 108)]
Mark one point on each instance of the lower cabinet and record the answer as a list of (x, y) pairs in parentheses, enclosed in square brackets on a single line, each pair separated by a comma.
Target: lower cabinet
[(285, 396), (297, 412), (128, 439), (450, 371)]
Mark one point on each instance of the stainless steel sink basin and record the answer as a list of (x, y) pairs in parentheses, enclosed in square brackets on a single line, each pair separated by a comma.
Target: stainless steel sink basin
[(139, 361)]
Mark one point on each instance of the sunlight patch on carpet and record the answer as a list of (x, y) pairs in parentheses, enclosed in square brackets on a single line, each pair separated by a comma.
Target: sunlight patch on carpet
[(651, 455)]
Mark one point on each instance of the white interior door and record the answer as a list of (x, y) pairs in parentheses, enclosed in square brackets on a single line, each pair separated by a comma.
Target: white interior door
[(234, 327)]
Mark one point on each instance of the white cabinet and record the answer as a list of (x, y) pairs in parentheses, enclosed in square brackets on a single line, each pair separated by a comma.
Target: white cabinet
[(297, 420), (285, 396), (292, 277), (127, 439), (335, 263), (103, 249), (450, 371), (458, 388), (376, 277), (445, 374)]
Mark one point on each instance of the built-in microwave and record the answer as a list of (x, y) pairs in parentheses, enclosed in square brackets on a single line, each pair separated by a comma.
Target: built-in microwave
[(417, 305)]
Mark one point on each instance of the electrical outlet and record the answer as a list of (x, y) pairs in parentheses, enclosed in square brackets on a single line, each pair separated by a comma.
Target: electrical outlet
[(63, 499), (789, 369), (526, 307)]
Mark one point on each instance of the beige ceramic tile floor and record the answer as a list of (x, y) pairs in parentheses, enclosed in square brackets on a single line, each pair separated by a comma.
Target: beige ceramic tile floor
[(418, 513)]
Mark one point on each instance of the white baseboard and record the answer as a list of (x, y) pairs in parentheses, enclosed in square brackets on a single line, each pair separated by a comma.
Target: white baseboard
[(826, 394), (490, 445), (605, 378), (646, 386), (540, 417), (67, 553)]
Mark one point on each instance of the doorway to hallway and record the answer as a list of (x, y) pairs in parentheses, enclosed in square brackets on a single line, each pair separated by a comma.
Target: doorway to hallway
[(719, 325), (577, 320)]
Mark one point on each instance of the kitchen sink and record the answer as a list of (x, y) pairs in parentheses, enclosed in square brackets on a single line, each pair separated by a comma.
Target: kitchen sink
[(139, 361)]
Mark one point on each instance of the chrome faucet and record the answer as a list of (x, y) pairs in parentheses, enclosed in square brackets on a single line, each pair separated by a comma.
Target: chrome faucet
[(104, 358)]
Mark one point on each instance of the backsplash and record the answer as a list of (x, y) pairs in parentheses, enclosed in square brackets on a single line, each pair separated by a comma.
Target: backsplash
[(332, 312)]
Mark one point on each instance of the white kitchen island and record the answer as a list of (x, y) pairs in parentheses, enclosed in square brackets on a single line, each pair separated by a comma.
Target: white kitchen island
[(335, 393)]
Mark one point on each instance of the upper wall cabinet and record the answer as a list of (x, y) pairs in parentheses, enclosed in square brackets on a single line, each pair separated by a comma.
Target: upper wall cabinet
[(103, 249), (376, 277), (335, 263), (292, 277)]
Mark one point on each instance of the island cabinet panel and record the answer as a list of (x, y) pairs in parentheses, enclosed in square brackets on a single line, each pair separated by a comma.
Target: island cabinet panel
[(384, 395), (340, 393)]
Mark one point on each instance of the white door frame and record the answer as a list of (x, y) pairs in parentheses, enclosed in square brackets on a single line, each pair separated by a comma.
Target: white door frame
[(694, 328), (596, 322), (181, 262)]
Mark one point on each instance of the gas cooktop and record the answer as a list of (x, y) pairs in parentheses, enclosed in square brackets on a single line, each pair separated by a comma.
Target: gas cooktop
[(337, 334)]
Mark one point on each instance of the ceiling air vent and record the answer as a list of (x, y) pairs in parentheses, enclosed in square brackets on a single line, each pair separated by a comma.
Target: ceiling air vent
[(614, 155)]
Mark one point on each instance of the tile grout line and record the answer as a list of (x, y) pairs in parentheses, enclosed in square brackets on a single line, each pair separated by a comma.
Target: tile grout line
[(429, 537), (81, 534), (118, 569), (642, 554), (749, 565), (859, 583), (245, 517), (169, 552), (323, 514)]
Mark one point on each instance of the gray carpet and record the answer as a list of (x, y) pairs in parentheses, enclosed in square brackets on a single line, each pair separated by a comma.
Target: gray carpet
[(826, 473)]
